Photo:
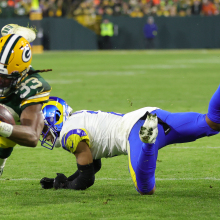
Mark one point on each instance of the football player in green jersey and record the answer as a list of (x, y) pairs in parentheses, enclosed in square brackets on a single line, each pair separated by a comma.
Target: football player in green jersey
[(22, 90)]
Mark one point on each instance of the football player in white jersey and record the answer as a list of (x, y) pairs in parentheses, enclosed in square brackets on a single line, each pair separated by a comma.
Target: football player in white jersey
[(92, 135)]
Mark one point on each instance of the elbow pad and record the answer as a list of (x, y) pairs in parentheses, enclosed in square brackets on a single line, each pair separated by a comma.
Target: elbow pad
[(96, 164), (85, 179), (73, 176)]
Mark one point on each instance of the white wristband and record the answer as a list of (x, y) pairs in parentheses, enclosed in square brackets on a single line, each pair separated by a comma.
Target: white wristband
[(5, 129)]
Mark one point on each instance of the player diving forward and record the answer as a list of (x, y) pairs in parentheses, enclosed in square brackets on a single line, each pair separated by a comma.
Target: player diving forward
[(22, 90), (92, 135)]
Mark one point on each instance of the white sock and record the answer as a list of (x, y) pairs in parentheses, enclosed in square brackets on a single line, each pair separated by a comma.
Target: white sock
[(2, 165)]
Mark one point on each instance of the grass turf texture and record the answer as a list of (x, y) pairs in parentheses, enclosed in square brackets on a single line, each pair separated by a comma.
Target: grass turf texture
[(187, 175)]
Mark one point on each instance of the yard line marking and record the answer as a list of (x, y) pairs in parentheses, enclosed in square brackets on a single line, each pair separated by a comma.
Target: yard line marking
[(196, 61), (117, 179), (167, 179), (158, 66), (119, 73), (195, 147), (184, 147), (205, 178), (22, 179), (64, 81), (20, 147)]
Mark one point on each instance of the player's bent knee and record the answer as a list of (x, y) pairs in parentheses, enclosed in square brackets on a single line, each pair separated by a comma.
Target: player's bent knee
[(212, 124)]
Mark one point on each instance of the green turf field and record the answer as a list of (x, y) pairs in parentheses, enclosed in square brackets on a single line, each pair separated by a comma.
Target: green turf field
[(187, 175)]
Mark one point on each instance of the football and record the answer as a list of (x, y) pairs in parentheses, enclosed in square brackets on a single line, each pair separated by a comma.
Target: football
[(6, 116)]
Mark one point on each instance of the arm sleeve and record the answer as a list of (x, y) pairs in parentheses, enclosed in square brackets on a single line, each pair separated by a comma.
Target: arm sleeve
[(96, 164), (73, 176), (85, 178)]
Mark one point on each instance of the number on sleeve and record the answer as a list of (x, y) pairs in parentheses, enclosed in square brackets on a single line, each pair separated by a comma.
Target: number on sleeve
[(35, 84)]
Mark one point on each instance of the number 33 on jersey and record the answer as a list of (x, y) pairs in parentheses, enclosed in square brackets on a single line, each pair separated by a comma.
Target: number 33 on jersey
[(32, 90)]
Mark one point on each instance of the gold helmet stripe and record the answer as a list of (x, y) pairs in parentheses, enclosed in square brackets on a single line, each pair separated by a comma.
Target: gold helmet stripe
[(8, 47)]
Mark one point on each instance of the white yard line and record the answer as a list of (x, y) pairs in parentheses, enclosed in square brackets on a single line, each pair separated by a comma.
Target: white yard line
[(183, 147), (64, 81), (119, 179)]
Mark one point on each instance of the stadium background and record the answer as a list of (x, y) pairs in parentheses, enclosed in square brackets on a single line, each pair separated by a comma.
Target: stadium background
[(182, 78), (72, 24)]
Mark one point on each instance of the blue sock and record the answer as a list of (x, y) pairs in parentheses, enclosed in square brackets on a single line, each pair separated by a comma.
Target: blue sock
[(146, 166), (214, 107)]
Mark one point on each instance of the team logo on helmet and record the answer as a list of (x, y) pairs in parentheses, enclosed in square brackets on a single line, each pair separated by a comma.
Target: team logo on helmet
[(15, 59), (26, 55)]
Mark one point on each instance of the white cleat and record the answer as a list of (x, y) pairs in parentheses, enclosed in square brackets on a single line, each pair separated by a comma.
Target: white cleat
[(149, 131), (26, 32)]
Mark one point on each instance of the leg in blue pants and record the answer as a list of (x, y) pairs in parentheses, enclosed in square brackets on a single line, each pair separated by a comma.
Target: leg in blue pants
[(185, 127)]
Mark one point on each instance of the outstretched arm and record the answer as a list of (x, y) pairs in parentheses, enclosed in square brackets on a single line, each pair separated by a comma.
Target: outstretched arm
[(47, 183), (86, 177), (83, 154), (85, 166), (96, 164), (75, 141)]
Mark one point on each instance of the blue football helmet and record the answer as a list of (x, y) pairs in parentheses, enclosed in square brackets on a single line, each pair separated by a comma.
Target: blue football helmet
[(55, 112)]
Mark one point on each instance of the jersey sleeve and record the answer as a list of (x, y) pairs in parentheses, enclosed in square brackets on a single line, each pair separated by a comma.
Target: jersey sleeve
[(33, 90), (71, 139)]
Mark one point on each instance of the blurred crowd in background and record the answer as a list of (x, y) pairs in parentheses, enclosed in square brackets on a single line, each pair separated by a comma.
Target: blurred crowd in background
[(49, 8), (133, 8), (140, 8)]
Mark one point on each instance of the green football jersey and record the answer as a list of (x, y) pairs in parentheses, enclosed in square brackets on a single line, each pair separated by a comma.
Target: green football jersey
[(30, 91)]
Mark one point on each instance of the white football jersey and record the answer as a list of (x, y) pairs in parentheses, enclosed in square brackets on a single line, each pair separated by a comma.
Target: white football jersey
[(108, 132)]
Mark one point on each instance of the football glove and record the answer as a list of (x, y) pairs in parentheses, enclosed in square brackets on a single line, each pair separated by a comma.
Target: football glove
[(59, 181), (47, 183)]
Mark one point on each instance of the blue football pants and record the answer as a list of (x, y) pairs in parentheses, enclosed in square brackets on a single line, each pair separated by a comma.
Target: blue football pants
[(185, 127)]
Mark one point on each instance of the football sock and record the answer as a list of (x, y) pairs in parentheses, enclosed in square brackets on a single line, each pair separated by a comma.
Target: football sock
[(214, 107), (2, 165), (146, 165)]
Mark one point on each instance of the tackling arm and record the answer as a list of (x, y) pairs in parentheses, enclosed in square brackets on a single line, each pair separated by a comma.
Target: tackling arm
[(96, 164), (28, 133), (75, 141), (86, 173), (85, 165), (47, 183)]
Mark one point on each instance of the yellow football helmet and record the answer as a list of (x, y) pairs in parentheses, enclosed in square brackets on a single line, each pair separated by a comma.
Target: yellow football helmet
[(15, 60)]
